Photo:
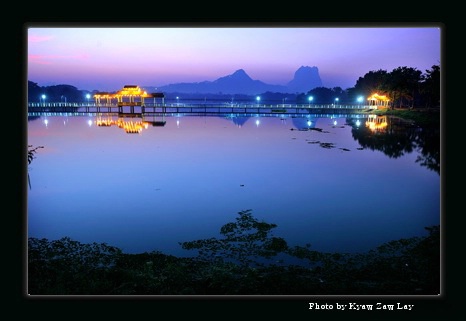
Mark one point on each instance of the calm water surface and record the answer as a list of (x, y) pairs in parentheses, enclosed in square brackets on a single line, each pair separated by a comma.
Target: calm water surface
[(324, 180)]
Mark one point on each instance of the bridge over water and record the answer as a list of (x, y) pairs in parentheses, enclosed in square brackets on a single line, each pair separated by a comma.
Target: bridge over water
[(198, 108)]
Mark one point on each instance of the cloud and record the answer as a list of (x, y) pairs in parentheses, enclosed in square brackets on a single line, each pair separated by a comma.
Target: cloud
[(49, 59), (33, 38), (38, 59)]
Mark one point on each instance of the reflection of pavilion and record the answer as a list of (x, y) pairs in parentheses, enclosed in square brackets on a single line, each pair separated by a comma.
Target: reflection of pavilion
[(129, 124), (376, 123)]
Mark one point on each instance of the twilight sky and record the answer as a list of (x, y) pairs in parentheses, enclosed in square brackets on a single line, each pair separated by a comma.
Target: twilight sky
[(107, 58)]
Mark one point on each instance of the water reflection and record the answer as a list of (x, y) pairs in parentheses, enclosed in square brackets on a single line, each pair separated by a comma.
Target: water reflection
[(314, 176), (130, 123), (393, 136), (238, 120), (396, 137), (304, 122), (377, 123)]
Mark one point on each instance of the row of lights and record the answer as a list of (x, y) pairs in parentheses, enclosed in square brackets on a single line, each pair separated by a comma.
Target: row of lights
[(258, 98), (42, 98), (310, 99)]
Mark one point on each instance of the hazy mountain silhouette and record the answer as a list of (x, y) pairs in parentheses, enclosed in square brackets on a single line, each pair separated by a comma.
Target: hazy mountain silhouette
[(305, 79)]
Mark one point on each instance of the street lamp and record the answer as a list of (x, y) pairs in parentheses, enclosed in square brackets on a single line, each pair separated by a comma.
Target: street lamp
[(177, 100), (62, 96), (310, 99), (284, 99), (336, 101), (360, 99), (88, 96), (258, 99), (43, 99)]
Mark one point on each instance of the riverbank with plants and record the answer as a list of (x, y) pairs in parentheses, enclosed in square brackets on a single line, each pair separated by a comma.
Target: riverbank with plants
[(247, 260)]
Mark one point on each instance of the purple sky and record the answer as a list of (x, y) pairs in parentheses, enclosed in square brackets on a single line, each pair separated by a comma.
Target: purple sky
[(108, 58)]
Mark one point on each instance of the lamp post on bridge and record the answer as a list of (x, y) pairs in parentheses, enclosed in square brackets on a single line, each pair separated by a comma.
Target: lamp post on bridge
[(88, 96), (258, 100), (43, 99), (310, 99), (360, 99), (62, 96)]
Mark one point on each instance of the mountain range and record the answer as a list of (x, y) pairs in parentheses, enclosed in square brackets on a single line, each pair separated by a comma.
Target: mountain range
[(239, 82)]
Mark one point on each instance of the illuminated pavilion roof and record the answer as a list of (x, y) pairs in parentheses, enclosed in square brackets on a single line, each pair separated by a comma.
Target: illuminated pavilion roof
[(378, 97), (127, 91)]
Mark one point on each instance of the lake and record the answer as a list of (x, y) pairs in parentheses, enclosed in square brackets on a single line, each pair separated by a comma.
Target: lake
[(342, 183)]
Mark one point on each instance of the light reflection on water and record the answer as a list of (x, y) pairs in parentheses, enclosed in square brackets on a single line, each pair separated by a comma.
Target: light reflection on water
[(179, 182)]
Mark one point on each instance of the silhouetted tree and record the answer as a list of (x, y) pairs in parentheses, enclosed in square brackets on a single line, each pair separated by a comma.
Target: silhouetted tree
[(372, 82), (430, 87), (403, 85)]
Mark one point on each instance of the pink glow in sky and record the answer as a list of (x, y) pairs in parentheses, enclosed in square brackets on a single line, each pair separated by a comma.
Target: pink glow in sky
[(106, 59)]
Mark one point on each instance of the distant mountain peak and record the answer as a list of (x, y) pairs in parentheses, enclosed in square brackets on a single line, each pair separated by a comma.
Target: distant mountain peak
[(239, 82), (305, 79), (239, 74)]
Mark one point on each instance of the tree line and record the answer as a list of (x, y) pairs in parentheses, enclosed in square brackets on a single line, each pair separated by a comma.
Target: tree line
[(404, 87)]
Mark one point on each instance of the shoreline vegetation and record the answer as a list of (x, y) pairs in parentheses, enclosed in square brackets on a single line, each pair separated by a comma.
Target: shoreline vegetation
[(247, 260), (422, 116)]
